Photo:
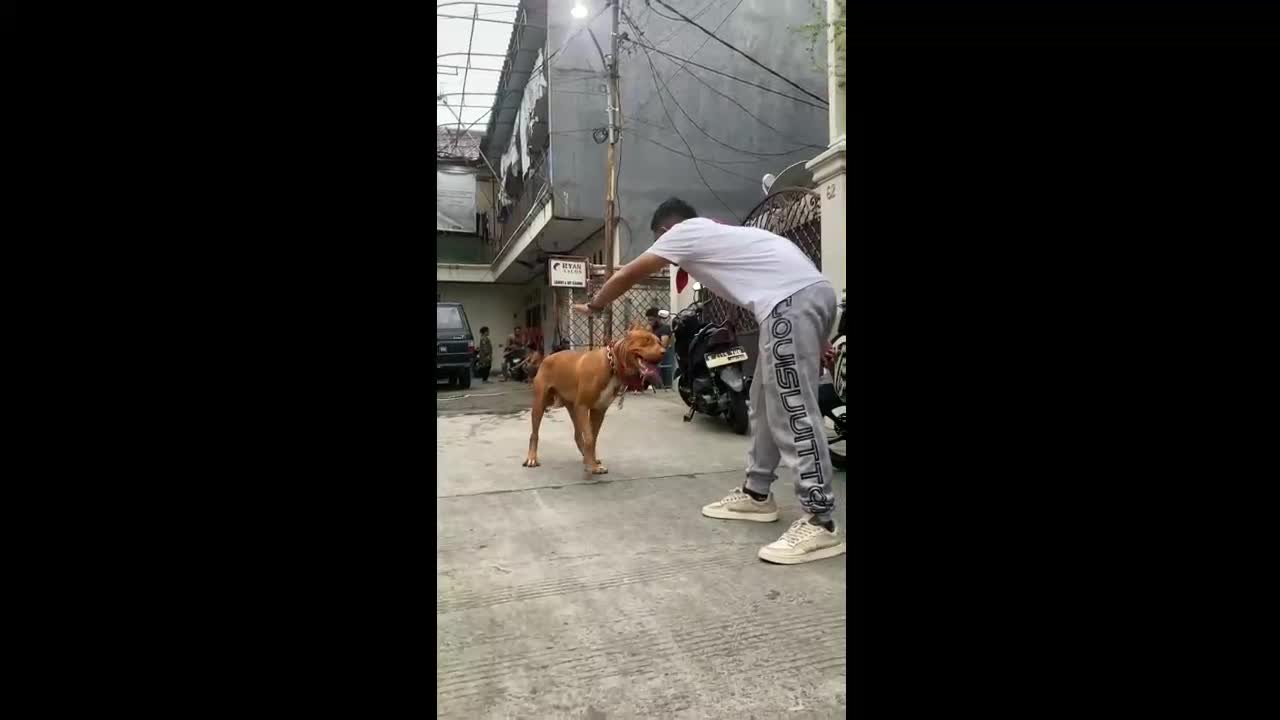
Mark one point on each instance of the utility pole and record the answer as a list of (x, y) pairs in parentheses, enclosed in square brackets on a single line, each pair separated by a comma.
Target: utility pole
[(611, 183)]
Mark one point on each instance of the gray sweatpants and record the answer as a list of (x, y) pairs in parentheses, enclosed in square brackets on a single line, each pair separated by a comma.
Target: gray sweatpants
[(786, 423)]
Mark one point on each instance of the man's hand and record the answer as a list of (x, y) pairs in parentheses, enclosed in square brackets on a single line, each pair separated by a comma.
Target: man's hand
[(829, 356), (623, 279)]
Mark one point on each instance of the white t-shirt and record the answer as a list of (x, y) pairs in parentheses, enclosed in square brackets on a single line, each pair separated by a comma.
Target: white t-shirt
[(750, 267)]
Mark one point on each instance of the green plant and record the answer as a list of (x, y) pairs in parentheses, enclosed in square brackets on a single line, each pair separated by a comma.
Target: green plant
[(816, 34)]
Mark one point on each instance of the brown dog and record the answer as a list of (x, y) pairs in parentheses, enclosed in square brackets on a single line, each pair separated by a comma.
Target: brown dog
[(585, 383)]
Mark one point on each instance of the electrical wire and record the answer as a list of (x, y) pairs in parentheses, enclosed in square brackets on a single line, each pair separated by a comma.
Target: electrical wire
[(617, 171), (723, 144), (654, 71), (585, 26), (742, 108), (576, 92), (715, 161), (714, 164), (703, 130), (697, 50), (682, 26), (722, 73), (603, 63), (655, 12), (759, 64), (684, 66)]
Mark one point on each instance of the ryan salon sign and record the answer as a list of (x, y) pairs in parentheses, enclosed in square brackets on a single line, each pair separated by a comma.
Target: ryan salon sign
[(567, 273)]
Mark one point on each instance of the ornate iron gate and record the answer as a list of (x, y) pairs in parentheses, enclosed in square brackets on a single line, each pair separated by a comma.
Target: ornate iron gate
[(793, 213)]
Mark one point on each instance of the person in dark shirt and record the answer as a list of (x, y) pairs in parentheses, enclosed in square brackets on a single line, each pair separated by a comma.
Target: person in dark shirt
[(484, 355), (662, 329), (515, 345)]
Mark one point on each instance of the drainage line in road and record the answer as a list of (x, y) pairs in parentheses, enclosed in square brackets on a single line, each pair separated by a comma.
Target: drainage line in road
[(460, 397), (562, 486)]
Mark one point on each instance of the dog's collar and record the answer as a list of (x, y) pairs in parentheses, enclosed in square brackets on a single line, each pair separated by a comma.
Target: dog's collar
[(615, 361), (613, 358)]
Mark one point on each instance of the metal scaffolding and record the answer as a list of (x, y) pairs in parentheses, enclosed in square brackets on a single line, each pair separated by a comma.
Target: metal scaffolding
[(467, 80)]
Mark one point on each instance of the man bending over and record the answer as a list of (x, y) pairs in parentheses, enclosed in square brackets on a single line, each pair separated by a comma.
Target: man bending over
[(796, 308)]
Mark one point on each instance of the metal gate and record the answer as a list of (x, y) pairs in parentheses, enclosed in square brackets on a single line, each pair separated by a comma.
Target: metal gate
[(793, 213)]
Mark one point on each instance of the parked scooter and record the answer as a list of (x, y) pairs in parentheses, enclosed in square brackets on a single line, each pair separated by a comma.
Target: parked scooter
[(832, 397), (709, 370), (514, 364), (521, 364)]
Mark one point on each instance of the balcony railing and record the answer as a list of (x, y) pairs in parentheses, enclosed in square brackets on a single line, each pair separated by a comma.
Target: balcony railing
[(469, 249), (529, 192)]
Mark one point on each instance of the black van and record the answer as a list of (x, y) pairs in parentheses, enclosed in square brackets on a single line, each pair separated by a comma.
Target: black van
[(455, 345)]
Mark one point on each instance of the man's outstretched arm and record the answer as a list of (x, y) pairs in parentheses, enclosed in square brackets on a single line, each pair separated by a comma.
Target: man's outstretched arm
[(623, 279)]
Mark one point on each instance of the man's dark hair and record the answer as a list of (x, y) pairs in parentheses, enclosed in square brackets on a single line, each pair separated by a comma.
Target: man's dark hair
[(484, 330), (673, 208), (651, 312)]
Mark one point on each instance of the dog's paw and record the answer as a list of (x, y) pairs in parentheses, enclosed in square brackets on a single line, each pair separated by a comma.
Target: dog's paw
[(530, 463), (599, 469)]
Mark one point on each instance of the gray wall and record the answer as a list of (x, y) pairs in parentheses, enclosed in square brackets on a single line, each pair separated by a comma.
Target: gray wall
[(649, 173)]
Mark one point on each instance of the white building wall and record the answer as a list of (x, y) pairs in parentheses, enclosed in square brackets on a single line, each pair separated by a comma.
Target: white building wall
[(500, 307), (829, 172)]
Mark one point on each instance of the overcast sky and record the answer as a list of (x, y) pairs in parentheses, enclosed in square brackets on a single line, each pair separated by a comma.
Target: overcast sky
[(451, 37)]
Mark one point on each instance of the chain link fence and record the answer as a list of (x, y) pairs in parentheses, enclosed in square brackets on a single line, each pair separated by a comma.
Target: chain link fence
[(579, 332), (793, 213)]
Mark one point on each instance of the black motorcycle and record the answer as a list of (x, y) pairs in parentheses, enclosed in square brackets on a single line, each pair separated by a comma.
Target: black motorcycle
[(513, 364), (709, 368), (832, 397)]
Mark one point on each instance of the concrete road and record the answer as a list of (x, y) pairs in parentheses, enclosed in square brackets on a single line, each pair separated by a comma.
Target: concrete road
[(561, 595)]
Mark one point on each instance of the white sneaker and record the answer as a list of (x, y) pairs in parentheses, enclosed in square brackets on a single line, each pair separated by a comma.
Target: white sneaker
[(738, 505), (803, 542)]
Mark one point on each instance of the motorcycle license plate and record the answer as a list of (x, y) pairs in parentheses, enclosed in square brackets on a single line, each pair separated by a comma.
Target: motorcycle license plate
[(732, 355)]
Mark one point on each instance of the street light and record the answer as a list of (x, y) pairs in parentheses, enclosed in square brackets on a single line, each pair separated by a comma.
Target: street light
[(579, 10)]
